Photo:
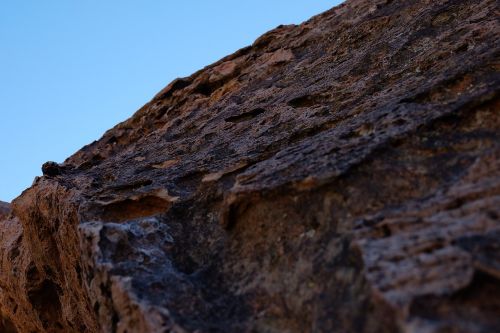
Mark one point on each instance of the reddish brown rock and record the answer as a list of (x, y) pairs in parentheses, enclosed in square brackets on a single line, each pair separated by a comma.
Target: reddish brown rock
[(4, 209), (338, 176)]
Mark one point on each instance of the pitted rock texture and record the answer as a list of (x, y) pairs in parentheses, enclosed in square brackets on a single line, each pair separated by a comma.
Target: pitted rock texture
[(342, 175)]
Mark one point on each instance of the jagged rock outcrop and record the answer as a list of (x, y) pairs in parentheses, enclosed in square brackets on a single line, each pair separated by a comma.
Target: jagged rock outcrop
[(337, 176)]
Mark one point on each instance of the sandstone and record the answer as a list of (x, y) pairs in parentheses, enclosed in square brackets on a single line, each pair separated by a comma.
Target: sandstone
[(342, 175)]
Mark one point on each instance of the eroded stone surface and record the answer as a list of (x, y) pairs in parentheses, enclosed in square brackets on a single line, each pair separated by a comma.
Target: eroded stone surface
[(4, 209), (337, 176)]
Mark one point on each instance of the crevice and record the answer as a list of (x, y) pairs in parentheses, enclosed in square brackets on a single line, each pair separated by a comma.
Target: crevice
[(177, 84), (45, 300), (245, 116), (130, 208), (305, 101)]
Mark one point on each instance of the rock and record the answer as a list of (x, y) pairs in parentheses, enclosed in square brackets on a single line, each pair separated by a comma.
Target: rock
[(51, 169), (278, 57), (4, 209), (341, 175)]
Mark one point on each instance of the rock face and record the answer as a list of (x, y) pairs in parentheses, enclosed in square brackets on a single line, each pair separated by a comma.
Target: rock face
[(338, 176), (4, 210)]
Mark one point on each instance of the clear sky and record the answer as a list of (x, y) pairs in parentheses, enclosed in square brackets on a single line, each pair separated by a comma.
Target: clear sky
[(71, 69)]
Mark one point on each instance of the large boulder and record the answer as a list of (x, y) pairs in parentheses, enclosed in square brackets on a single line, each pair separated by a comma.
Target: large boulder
[(341, 175)]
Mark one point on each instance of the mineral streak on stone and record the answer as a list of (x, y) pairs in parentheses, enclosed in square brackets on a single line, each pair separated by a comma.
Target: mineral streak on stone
[(342, 175)]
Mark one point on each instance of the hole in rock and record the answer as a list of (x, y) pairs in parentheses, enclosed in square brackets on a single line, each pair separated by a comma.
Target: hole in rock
[(45, 300), (245, 116), (304, 101), (129, 209), (177, 84), (207, 88)]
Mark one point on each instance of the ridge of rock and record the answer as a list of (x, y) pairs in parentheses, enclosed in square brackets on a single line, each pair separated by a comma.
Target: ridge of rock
[(342, 175)]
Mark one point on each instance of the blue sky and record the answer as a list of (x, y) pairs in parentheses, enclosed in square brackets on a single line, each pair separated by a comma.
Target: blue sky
[(71, 69)]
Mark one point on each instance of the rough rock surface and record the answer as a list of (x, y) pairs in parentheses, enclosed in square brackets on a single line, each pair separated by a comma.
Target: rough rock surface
[(4, 209), (338, 176)]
